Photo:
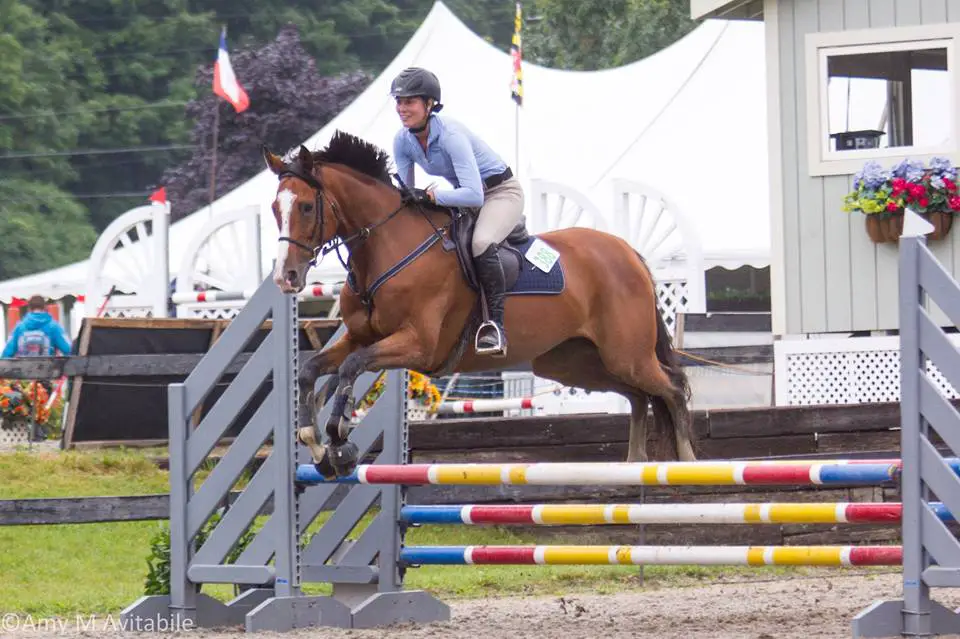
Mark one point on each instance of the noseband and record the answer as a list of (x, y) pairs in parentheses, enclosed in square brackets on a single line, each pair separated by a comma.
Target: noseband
[(293, 171)]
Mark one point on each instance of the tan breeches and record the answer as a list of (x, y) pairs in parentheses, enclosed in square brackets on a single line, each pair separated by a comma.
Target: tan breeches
[(501, 211)]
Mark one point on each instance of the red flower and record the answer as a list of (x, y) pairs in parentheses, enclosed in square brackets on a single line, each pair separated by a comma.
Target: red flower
[(924, 201), (892, 206), (954, 202), (950, 184), (899, 185), (916, 190)]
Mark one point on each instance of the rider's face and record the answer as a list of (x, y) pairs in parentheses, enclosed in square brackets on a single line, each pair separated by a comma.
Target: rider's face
[(412, 111)]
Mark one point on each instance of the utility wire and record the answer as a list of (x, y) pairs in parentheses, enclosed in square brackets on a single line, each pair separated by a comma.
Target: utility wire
[(44, 114), (75, 152)]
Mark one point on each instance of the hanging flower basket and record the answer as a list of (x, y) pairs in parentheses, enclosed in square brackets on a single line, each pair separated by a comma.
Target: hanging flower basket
[(889, 227), (882, 196)]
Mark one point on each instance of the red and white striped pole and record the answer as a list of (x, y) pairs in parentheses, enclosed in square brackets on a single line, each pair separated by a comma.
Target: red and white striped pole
[(486, 405), (321, 291)]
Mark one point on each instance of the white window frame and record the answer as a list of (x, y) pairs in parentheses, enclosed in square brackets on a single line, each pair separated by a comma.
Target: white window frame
[(821, 159)]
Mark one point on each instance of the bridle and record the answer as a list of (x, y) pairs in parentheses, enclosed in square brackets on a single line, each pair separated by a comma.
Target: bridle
[(336, 241), (318, 249), (321, 250)]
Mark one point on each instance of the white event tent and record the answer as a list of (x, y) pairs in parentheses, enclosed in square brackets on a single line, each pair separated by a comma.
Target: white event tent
[(689, 121)]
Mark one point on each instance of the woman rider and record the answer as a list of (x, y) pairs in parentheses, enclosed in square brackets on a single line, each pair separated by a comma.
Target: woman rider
[(445, 148)]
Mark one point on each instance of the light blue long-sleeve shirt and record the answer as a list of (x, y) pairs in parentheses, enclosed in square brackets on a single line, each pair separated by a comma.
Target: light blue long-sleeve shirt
[(453, 153)]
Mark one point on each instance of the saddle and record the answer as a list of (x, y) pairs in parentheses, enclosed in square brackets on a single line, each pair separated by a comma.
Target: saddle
[(460, 238)]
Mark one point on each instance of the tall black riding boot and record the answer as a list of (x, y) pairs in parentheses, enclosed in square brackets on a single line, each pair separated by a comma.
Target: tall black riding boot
[(491, 337)]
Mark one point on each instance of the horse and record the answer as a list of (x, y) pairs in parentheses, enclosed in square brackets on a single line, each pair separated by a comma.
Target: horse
[(412, 301)]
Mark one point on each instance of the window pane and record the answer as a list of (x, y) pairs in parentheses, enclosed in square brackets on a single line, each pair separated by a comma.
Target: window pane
[(932, 121), (888, 99)]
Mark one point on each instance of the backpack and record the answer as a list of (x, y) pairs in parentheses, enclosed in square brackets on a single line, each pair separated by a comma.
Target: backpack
[(33, 343)]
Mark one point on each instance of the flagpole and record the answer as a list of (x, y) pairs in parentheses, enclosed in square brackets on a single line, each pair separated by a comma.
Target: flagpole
[(516, 139), (213, 163), (516, 52)]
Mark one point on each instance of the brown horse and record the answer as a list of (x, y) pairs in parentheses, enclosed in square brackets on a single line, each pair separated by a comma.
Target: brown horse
[(410, 305)]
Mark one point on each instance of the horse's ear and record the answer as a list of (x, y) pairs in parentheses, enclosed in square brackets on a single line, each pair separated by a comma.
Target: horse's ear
[(306, 159), (273, 162)]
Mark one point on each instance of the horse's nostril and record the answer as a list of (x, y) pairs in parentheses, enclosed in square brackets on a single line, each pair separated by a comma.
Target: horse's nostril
[(292, 277)]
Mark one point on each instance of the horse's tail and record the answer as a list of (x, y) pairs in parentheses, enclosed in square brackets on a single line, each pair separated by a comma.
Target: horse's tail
[(667, 356)]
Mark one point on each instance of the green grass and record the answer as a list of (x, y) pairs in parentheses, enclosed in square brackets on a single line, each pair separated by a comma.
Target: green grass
[(79, 474), (101, 568)]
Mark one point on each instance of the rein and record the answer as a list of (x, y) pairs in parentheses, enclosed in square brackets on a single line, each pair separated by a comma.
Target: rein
[(363, 233)]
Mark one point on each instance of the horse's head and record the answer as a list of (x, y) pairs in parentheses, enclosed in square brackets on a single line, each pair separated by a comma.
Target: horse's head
[(304, 217)]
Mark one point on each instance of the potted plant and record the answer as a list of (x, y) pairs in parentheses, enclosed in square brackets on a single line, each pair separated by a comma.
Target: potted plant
[(23, 402), (423, 397), (882, 196)]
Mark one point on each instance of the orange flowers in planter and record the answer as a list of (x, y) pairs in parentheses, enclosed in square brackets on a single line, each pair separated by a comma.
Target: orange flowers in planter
[(24, 400)]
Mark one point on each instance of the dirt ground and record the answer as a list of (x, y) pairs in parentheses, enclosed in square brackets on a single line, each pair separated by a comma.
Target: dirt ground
[(810, 607)]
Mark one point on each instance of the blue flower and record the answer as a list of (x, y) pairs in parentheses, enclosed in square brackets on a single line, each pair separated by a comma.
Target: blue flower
[(943, 168), (871, 176), (911, 171)]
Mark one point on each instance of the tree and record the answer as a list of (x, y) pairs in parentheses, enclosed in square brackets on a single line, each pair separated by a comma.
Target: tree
[(587, 35), (289, 102), (42, 226)]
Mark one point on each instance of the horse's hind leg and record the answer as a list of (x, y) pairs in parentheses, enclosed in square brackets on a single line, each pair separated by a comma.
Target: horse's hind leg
[(576, 362), (638, 365)]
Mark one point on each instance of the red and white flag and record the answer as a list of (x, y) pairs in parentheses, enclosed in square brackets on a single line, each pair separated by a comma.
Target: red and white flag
[(225, 82)]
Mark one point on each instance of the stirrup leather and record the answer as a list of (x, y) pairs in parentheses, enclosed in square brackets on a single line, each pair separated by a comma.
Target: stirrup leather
[(487, 350)]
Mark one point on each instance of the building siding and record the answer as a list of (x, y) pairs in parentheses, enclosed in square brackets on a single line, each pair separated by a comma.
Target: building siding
[(835, 278)]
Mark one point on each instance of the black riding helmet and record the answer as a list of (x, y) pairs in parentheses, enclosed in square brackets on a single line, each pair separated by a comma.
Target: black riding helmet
[(417, 82)]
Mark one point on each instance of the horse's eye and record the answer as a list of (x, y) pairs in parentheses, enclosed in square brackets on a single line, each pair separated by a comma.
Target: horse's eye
[(306, 207)]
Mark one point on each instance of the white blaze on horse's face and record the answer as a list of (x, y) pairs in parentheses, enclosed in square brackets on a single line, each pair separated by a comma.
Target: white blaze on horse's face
[(285, 200)]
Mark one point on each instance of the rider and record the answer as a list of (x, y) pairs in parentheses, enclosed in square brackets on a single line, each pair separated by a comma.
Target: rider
[(481, 180)]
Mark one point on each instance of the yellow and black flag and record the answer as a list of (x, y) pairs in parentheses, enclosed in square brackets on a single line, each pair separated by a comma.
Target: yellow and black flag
[(516, 52)]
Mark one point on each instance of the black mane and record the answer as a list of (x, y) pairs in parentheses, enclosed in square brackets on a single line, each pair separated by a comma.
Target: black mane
[(358, 154)]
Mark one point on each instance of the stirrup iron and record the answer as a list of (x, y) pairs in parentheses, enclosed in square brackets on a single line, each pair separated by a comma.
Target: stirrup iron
[(498, 350)]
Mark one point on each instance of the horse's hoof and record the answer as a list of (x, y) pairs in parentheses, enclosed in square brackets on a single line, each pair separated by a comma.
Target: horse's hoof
[(343, 458), (325, 468)]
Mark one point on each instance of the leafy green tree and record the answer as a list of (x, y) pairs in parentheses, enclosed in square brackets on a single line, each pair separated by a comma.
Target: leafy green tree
[(42, 226), (33, 91), (141, 56), (587, 35)]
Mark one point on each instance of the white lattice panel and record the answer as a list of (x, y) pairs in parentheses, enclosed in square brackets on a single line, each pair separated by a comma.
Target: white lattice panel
[(14, 433), (129, 311), (224, 310), (672, 299), (861, 370)]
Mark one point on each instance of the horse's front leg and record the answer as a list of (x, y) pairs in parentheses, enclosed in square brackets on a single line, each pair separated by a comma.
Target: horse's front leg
[(400, 350), (326, 362)]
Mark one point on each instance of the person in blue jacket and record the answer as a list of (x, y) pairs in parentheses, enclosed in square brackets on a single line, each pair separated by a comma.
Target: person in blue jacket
[(37, 334), (480, 178)]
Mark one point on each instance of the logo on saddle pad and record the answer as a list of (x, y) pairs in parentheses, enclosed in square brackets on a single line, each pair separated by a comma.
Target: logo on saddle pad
[(542, 255)]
